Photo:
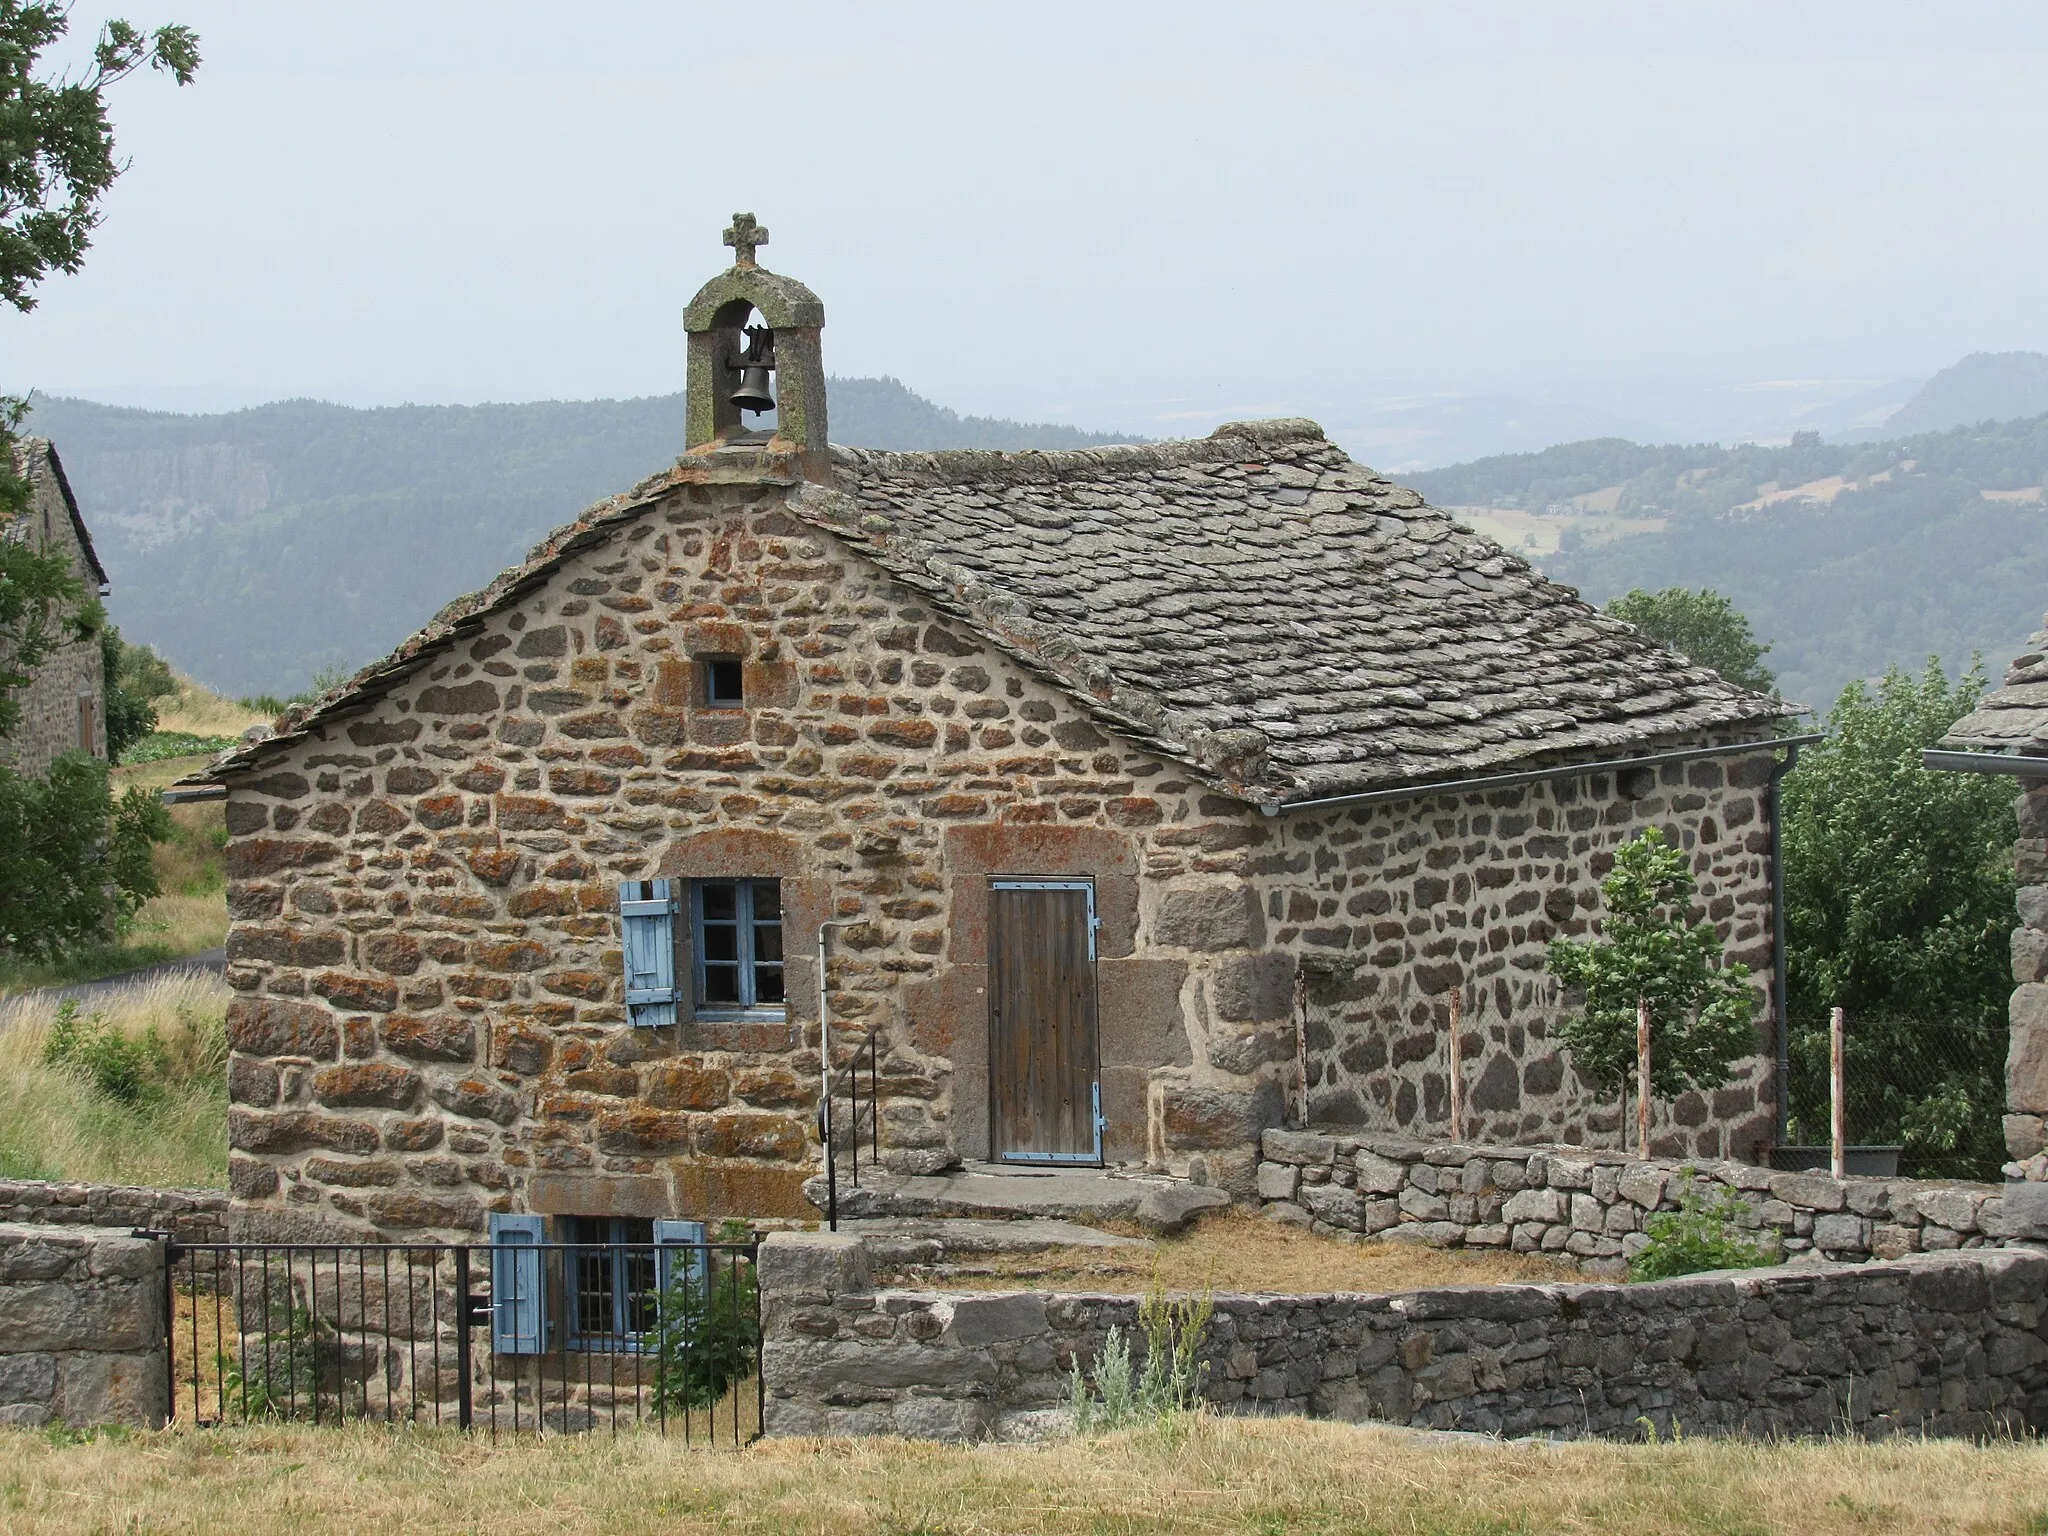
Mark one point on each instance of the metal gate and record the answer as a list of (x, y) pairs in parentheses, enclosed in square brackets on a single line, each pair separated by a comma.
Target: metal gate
[(524, 1337)]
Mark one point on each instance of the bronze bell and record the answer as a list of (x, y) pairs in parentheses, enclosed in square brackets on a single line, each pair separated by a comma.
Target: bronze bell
[(755, 366)]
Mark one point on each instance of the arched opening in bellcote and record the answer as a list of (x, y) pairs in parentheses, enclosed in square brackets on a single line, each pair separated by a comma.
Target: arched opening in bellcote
[(756, 377)]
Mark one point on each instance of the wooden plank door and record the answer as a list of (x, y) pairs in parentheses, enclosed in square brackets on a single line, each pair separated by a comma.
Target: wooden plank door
[(1044, 1088)]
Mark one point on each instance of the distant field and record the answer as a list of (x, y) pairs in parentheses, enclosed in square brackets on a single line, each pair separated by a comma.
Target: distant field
[(1535, 534), (1206, 1476)]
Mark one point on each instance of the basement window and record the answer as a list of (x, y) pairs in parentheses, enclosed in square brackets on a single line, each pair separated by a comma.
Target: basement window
[(737, 928), (723, 686)]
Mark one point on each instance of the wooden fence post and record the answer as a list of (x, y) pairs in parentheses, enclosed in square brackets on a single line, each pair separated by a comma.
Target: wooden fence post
[(1643, 1078), (1457, 1072), (1838, 1162)]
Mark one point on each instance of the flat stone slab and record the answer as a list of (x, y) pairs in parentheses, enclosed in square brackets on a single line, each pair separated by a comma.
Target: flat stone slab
[(998, 1192), (936, 1240)]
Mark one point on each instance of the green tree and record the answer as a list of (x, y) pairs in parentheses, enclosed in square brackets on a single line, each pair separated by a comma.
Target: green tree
[(136, 678), (1898, 902), (1702, 626), (70, 860), (1701, 1004), (56, 146)]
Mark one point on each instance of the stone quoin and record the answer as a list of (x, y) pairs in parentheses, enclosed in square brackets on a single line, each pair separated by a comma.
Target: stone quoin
[(1151, 792)]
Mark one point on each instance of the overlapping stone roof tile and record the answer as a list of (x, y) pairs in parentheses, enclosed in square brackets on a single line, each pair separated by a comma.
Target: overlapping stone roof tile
[(2014, 717), (1252, 603), (1259, 580)]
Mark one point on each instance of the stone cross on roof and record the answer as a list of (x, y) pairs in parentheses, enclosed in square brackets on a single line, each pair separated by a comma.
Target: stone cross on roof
[(743, 237)]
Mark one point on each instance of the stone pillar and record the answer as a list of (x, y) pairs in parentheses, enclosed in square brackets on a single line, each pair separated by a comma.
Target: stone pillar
[(81, 1327), (2026, 1062)]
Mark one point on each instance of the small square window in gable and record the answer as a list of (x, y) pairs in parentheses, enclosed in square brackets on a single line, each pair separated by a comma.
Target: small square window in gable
[(724, 683)]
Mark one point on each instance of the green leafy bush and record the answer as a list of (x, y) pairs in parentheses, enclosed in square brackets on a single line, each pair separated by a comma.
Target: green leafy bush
[(127, 1068), (706, 1338), (73, 861), (1705, 1232)]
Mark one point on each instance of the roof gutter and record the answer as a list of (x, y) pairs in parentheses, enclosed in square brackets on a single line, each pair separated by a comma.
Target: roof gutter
[(1985, 762), (1556, 771), (176, 796)]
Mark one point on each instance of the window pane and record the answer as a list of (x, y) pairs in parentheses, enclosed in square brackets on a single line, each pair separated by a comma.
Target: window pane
[(723, 682), (721, 944), (768, 942), (768, 984), (721, 900), (767, 901), (721, 983)]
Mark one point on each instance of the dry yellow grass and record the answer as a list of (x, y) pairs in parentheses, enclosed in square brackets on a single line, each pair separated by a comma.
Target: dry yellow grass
[(55, 1125), (201, 711), (1211, 1475), (1236, 1251)]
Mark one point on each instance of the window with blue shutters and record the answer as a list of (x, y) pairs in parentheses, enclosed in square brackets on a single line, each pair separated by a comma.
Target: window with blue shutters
[(647, 937), (518, 1286), (736, 939)]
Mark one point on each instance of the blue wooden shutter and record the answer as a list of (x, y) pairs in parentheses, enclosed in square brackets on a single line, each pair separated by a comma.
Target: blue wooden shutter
[(647, 934), (518, 1297), (674, 1240)]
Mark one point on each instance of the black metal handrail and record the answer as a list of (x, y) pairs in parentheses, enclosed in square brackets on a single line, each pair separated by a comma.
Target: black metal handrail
[(828, 1123)]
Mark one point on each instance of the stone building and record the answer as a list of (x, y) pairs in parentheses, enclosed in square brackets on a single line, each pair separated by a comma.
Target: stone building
[(2007, 727), (1135, 795), (65, 708)]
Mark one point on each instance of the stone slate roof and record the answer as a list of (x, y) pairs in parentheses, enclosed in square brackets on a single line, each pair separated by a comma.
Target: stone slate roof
[(1253, 604), (2014, 718), (1259, 581)]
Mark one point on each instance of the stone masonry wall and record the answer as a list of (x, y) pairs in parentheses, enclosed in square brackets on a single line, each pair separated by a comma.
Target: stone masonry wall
[(1393, 906), (1939, 1344), (49, 704), (2026, 1062), (1590, 1207), (190, 1215), (429, 1023), (81, 1327)]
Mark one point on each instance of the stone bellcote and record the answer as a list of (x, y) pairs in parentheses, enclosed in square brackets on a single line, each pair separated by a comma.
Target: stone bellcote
[(716, 321)]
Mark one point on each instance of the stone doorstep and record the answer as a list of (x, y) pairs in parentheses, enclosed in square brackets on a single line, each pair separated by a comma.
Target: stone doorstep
[(915, 1240), (996, 1192)]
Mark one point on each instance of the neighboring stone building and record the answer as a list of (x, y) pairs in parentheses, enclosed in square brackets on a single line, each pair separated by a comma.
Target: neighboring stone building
[(1140, 782), (65, 708), (2012, 722)]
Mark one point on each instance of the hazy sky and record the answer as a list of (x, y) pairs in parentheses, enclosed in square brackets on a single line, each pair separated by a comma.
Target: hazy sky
[(1144, 216)]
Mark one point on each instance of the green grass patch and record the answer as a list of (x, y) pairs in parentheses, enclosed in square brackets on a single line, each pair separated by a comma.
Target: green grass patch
[(158, 746), (132, 1094)]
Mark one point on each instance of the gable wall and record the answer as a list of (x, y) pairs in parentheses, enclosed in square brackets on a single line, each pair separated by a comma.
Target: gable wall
[(429, 1022), (49, 705)]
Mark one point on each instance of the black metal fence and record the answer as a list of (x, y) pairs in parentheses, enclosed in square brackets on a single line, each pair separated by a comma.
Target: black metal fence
[(520, 1337), (834, 1132)]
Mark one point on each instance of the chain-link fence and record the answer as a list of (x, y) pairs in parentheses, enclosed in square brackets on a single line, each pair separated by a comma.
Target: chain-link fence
[(1935, 1090)]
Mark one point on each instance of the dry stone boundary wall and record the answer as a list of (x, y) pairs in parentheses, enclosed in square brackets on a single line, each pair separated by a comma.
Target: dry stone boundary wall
[(81, 1327), (190, 1215), (1940, 1344), (1589, 1207)]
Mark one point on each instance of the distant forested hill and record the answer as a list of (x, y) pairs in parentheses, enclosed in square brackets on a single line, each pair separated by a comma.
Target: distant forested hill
[(255, 547), (1985, 386), (1847, 557)]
